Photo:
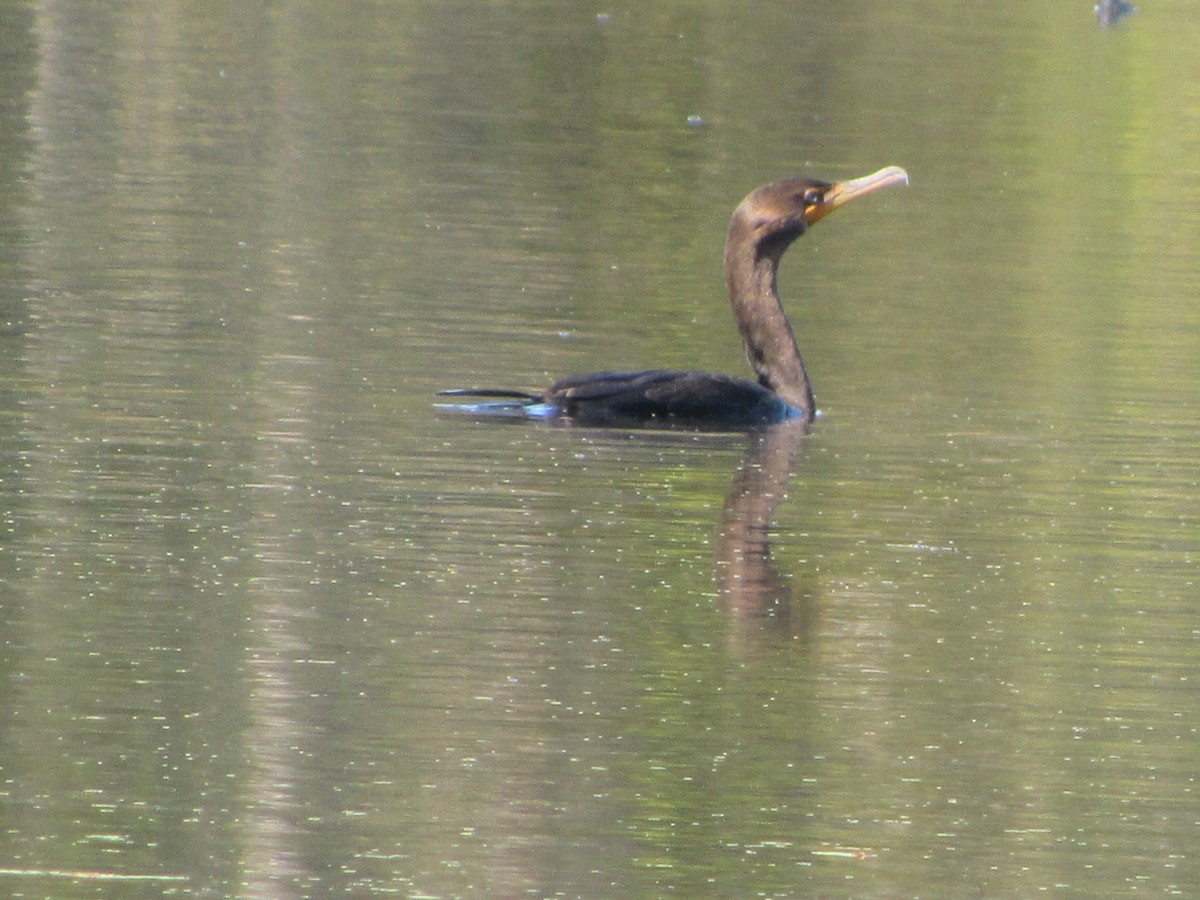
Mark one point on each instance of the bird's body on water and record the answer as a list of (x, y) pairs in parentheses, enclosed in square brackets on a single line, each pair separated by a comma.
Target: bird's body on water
[(762, 227)]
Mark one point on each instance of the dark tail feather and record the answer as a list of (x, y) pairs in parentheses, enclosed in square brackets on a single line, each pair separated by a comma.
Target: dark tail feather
[(498, 393)]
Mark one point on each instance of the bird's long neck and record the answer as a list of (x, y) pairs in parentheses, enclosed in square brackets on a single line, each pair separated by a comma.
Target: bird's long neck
[(771, 347)]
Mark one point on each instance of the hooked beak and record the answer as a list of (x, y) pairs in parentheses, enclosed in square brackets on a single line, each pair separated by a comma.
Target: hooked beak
[(843, 192)]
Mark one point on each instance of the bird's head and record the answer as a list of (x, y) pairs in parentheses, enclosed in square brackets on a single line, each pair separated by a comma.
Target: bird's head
[(784, 209)]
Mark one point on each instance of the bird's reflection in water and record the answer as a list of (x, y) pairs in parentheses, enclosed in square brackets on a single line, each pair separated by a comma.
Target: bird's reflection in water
[(750, 588)]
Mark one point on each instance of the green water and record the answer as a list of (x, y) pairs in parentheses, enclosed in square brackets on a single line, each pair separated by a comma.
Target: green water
[(272, 627)]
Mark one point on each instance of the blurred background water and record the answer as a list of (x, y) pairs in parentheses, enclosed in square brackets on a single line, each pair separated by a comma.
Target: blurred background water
[(272, 627)]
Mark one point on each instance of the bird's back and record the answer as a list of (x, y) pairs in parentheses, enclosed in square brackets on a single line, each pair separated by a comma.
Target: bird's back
[(666, 397)]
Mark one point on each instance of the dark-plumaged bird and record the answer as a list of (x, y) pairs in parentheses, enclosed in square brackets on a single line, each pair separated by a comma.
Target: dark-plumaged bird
[(763, 226)]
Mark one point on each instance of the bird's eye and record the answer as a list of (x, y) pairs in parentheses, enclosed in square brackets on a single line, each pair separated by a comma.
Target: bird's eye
[(813, 196)]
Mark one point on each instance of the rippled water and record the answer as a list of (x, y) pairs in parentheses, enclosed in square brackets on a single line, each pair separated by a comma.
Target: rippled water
[(274, 627)]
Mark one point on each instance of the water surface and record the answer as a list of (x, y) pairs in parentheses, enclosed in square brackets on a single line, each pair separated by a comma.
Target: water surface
[(273, 627)]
